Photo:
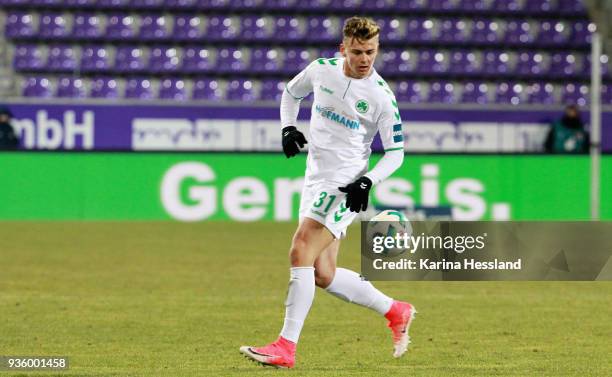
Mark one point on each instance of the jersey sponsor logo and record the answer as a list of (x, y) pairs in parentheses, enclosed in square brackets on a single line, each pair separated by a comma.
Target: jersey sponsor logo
[(328, 112), (326, 90), (398, 136), (362, 106)]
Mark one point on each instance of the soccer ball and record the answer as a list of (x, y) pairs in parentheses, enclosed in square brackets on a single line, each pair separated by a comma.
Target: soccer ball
[(388, 223)]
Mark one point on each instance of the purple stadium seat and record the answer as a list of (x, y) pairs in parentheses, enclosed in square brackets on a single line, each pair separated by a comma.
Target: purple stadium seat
[(61, 59), (244, 4), (431, 61), (586, 65), (475, 92), (139, 88), (181, 4), (164, 59), (552, 32), (398, 61), (264, 60), (485, 31), (37, 87), (173, 89), (112, 3), (120, 26), (452, 30), (87, 26), (207, 89), (606, 95), (309, 5), (329, 53), (79, 3), (196, 60), (104, 87), (154, 27), (377, 5), (287, 29), (538, 6), (212, 4), (240, 90), (472, 5), (341, 5), (53, 25), (441, 92), (28, 58), (530, 63), (571, 6), (419, 29), (541, 93), (409, 92), (94, 59), (19, 25), (147, 4), (295, 60), (271, 90), (509, 93), (580, 33), (254, 28), (129, 59), (389, 29), (221, 28), (230, 60), (411, 5), (46, 3), (462, 61), (441, 5), (575, 94), (15, 2), (278, 4), (70, 87), (506, 6), (187, 28), (518, 32), (563, 64), (321, 29), (495, 63)]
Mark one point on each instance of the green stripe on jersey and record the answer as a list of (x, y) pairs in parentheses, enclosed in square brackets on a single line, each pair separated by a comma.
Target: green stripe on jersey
[(394, 149), (291, 94)]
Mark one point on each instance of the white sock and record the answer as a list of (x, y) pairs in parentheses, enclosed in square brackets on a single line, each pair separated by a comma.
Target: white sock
[(299, 299), (350, 286)]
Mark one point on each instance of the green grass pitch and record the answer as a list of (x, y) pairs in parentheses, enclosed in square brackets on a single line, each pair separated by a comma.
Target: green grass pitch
[(171, 299)]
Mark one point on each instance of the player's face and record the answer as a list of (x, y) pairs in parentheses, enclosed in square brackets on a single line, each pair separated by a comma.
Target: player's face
[(359, 56)]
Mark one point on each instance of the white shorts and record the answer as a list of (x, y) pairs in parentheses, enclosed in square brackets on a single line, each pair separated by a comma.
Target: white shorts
[(325, 204)]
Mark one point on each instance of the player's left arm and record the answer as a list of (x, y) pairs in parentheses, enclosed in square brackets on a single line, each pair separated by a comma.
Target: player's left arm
[(391, 135)]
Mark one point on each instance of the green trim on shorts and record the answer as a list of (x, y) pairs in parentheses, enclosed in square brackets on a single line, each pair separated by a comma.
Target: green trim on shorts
[(393, 149)]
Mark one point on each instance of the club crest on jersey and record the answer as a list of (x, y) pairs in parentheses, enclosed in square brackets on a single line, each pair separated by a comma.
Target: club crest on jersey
[(362, 106)]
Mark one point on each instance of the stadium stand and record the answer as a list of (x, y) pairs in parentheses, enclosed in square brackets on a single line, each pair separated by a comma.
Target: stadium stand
[(532, 52)]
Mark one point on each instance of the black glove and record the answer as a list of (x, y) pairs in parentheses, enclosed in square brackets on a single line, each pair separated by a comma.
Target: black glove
[(357, 194), (291, 139)]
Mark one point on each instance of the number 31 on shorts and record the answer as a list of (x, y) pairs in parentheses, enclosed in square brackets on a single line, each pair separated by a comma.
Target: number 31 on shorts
[(324, 203)]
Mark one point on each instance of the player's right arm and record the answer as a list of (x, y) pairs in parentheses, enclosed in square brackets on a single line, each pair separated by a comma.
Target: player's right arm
[(298, 88)]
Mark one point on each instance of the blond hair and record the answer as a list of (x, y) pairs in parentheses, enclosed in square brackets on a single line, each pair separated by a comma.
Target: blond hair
[(361, 28)]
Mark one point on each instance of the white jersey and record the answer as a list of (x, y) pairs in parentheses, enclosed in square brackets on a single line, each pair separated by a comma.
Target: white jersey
[(346, 114)]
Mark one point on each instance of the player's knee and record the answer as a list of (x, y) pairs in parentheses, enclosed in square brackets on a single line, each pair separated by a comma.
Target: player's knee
[(323, 277), (298, 252)]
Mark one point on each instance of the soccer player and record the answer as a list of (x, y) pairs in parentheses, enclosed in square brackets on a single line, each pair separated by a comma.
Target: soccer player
[(351, 103)]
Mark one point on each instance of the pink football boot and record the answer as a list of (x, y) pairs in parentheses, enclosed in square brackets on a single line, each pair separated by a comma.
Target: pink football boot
[(279, 354), (400, 317)]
